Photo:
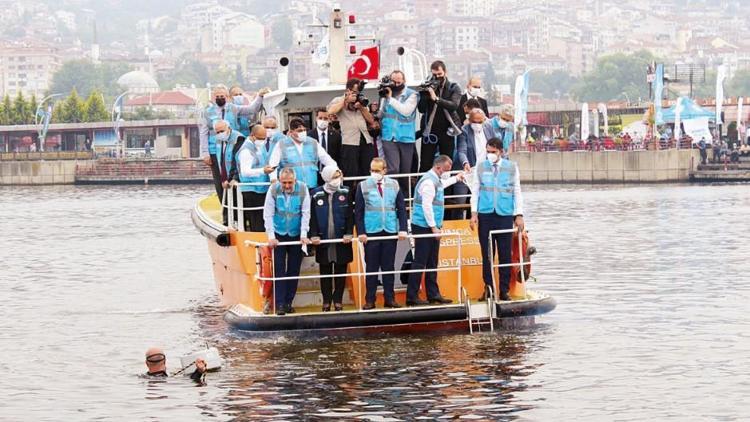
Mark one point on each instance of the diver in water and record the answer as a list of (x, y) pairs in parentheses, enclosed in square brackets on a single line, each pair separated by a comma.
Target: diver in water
[(156, 362)]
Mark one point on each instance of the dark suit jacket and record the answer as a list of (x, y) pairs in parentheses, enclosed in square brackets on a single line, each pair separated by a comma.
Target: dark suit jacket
[(465, 145), (482, 104), (448, 100), (333, 140), (343, 251)]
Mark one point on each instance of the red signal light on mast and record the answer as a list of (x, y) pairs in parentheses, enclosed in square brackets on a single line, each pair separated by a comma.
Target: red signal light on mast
[(352, 49), (352, 20)]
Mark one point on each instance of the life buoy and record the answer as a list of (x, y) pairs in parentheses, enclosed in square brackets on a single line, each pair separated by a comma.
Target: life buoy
[(266, 271), (517, 288)]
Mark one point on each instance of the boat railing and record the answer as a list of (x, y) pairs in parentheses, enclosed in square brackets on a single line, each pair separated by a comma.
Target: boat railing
[(360, 275), (519, 264), (236, 212)]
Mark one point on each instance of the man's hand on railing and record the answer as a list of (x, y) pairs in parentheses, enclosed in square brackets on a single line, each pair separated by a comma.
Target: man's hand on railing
[(268, 169), (460, 176), (347, 238), (474, 221), (519, 223), (402, 235), (437, 231), (272, 243), (305, 241), (362, 239), (315, 240), (234, 183), (225, 184)]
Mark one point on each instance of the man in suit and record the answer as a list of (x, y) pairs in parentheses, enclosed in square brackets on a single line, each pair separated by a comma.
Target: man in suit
[(473, 91), (433, 104), (328, 138)]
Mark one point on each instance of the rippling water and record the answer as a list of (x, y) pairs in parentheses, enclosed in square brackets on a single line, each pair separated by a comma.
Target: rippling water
[(652, 283)]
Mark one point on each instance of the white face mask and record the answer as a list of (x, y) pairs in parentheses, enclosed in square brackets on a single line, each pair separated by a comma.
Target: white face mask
[(445, 176), (270, 133), (377, 176), (476, 127), (492, 157), (259, 142), (238, 99), (335, 183), (474, 92), (322, 124), (222, 137), (296, 135)]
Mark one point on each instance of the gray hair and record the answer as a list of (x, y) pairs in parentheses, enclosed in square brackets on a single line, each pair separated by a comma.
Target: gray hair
[(287, 171), (441, 160), (221, 121), (267, 118)]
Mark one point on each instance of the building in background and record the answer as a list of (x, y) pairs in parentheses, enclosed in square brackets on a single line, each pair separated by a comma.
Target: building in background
[(27, 66)]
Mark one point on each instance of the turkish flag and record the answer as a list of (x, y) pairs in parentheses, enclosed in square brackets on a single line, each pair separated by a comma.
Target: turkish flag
[(366, 65)]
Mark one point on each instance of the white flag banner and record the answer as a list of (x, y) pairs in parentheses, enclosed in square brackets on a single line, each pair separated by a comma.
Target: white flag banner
[(320, 55), (585, 122), (603, 109), (721, 74), (740, 126), (596, 122)]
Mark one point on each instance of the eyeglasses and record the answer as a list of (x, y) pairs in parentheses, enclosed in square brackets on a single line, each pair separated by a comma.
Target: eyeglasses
[(155, 358)]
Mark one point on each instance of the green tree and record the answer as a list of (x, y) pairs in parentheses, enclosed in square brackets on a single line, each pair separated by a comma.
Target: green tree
[(739, 85), (187, 72), (85, 77), (551, 85), (33, 104), (71, 110), (614, 75), (141, 113), (95, 110), (281, 33), (6, 111), (21, 114)]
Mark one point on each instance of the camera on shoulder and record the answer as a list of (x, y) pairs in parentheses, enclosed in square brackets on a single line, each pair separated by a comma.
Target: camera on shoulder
[(361, 97), (385, 83), (432, 82)]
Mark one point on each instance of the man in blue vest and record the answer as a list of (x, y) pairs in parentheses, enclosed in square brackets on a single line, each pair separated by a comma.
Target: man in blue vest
[(496, 204), (398, 122), (228, 141), (239, 98), (222, 108), (287, 219), (301, 153), (251, 166), (427, 218), (332, 218), (380, 210)]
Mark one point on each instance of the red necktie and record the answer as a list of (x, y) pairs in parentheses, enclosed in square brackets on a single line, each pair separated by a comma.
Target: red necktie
[(380, 188)]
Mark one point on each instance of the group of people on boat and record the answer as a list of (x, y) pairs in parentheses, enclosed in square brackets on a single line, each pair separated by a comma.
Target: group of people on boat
[(293, 183)]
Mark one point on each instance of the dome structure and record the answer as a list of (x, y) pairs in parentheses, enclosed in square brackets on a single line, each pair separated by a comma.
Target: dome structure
[(138, 82)]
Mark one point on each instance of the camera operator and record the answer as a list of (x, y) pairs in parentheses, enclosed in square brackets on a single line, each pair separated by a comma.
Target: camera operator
[(440, 96), (398, 115), (353, 114)]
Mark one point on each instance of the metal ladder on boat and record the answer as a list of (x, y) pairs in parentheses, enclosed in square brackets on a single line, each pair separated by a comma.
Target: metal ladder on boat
[(480, 313)]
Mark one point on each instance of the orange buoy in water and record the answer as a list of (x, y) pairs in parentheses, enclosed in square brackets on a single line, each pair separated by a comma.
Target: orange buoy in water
[(517, 287)]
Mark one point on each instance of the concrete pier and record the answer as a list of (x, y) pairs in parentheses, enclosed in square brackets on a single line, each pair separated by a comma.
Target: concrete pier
[(606, 166), (38, 172)]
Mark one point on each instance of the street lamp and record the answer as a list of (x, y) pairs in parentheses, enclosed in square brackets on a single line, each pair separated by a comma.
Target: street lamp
[(42, 118), (116, 112)]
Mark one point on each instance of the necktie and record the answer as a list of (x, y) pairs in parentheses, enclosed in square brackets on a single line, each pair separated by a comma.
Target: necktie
[(380, 188), (222, 114), (494, 169), (323, 141), (222, 164)]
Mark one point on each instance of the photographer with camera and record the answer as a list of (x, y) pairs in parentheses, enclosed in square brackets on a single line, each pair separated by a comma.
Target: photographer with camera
[(398, 114), (353, 114), (438, 104)]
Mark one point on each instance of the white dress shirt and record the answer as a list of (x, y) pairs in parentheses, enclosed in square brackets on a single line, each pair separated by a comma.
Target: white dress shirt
[(248, 166), (480, 145), (517, 196), (324, 158), (269, 210), (427, 192)]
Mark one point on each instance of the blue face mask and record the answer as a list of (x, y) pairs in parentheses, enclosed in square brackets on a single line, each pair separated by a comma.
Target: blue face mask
[(222, 137), (238, 99)]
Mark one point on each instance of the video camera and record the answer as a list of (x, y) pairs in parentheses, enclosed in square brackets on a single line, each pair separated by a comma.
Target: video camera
[(433, 83), (385, 83), (361, 97)]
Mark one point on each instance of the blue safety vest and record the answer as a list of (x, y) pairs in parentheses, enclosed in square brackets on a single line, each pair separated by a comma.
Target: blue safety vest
[(306, 165), (396, 127), (212, 114), (496, 190), (287, 219), (260, 160), (380, 211), (503, 131), (438, 203), (341, 208), (243, 122)]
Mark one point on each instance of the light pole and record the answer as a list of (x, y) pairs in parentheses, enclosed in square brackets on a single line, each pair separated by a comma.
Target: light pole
[(43, 118), (627, 97), (116, 112)]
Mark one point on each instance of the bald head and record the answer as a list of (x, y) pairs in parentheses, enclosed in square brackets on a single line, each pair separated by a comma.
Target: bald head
[(156, 360), (477, 116), (258, 132)]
